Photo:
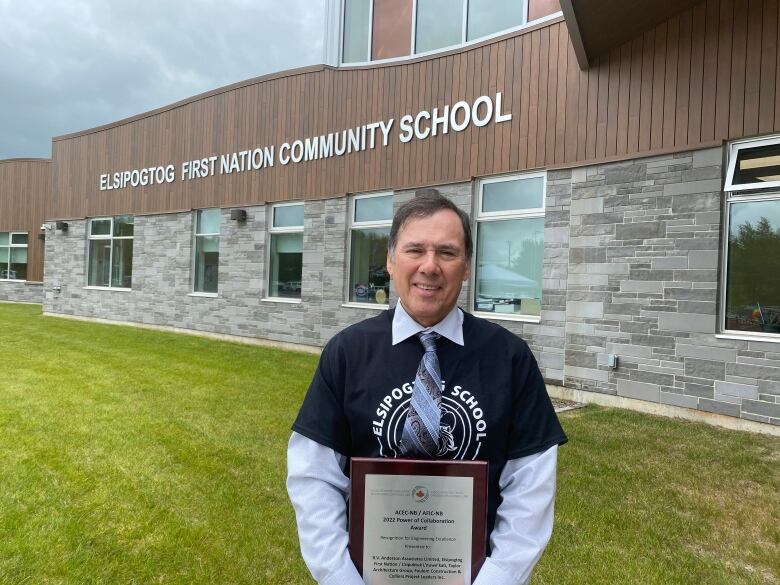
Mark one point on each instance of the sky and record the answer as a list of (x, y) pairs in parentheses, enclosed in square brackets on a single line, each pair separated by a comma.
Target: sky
[(70, 65)]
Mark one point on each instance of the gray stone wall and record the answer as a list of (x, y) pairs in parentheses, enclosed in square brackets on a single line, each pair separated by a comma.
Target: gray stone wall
[(162, 281), (21, 292), (643, 284), (630, 268)]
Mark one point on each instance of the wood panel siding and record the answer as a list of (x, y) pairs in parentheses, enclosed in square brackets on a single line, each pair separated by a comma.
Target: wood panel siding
[(708, 74), (25, 194)]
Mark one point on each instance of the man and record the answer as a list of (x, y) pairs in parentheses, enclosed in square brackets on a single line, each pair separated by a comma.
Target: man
[(492, 404)]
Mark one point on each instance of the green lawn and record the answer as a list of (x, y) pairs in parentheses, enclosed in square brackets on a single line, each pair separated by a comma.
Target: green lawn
[(133, 456)]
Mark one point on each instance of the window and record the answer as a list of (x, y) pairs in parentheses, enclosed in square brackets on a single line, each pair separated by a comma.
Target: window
[(111, 252), (206, 251), (754, 165), (285, 264), (369, 281), (356, 30), (13, 256), (386, 29), (752, 248), (487, 17), (439, 24), (392, 29), (510, 245)]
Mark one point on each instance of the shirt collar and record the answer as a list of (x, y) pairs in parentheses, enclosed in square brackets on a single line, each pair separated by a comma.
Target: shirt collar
[(450, 327)]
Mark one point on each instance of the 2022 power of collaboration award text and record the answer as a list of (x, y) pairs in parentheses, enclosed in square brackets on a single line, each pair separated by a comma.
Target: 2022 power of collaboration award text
[(419, 529)]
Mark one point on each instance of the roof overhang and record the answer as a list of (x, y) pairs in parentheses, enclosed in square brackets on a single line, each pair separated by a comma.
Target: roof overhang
[(596, 26)]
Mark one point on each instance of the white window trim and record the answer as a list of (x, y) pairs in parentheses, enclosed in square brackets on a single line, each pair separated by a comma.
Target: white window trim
[(110, 236), (281, 230), (734, 150), (195, 237), (358, 225), (732, 197), (370, 306), (480, 216), (281, 300), (11, 246), (464, 31)]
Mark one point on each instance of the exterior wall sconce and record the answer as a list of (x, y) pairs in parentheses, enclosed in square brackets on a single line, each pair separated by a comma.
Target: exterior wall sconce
[(238, 214)]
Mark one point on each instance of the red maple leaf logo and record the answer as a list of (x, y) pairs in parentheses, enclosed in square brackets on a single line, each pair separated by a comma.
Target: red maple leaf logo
[(420, 493)]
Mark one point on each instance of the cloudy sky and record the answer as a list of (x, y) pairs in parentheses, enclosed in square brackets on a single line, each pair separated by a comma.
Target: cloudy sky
[(69, 65)]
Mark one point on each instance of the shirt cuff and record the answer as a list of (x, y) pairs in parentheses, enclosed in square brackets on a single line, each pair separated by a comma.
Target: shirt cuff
[(492, 574), (346, 575)]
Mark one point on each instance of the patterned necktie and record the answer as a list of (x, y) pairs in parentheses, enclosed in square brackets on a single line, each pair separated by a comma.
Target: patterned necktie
[(420, 436)]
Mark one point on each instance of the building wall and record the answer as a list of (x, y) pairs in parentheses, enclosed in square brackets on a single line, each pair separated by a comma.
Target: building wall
[(162, 277), (643, 284), (21, 292), (161, 291), (706, 75), (25, 195), (633, 214), (630, 268)]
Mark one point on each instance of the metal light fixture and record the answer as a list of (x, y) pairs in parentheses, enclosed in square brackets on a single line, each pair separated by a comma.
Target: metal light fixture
[(238, 214)]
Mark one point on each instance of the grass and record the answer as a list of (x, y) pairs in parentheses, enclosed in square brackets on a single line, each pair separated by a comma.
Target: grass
[(131, 456)]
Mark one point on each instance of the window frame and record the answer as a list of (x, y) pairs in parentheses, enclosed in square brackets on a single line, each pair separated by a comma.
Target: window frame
[(733, 153), (751, 192), (491, 216), (281, 230), (110, 237), (195, 236), (11, 246), (412, 55), (363, 225)]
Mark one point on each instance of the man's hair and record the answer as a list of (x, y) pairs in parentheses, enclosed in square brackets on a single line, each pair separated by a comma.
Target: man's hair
[(425, 203)]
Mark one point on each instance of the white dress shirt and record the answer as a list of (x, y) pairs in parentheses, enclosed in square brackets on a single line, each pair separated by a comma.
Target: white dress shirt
[(318, 488)]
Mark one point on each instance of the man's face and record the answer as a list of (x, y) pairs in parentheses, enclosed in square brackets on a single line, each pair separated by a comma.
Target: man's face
[(429, 265)]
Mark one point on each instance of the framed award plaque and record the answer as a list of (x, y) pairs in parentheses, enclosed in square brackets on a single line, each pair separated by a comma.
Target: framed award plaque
[(414, 522)]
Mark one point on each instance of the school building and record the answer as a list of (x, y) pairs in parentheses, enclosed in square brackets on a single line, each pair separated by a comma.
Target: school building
[(620, 162)]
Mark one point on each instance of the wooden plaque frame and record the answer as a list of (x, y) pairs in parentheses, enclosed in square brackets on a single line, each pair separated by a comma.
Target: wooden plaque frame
[(362, 466)]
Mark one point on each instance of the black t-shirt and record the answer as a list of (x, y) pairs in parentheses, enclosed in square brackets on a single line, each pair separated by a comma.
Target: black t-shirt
[(494, 405)]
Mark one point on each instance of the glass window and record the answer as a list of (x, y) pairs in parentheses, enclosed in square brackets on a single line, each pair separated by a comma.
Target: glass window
[(110, 252), (753, 266), (356, 21), (373, 208), (384, 29), (439, 24), (369, 281), (285, 263), (391, 34), (754, 165), (751, 279), (515, 194), (487, 17), (288, 216), (100, 227), (13, 256), (510, 246), (206, 263)]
